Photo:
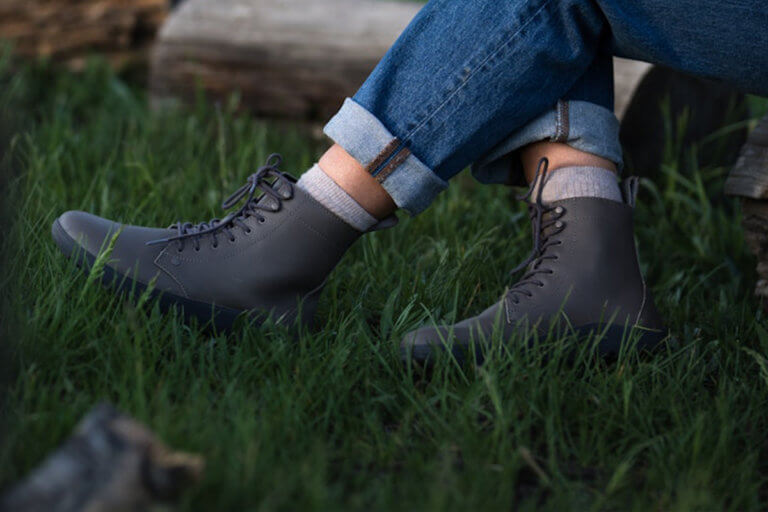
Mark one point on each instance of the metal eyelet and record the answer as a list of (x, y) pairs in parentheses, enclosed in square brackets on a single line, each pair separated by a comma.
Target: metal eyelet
[(559, 210), (262, 220), (558, 224)]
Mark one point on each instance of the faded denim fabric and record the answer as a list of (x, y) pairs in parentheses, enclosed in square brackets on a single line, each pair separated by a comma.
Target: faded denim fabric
[(470, 81)]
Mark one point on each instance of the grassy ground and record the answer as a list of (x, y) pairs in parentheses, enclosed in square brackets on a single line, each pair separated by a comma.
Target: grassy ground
[(333, 420)]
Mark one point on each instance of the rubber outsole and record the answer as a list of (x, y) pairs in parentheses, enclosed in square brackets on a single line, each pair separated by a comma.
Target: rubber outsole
[(611, 339)]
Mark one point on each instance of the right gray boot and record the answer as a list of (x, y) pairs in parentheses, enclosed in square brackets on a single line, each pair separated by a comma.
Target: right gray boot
[(270, 257), (582, 277)]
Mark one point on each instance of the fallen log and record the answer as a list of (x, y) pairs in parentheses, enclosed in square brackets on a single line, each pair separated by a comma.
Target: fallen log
[(68, 31), (748, 180), (287, 58), (110, 464), (749, 177)]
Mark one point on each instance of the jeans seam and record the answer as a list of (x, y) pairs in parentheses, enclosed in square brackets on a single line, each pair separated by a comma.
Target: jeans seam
[(392, 163), (472, 73), (562, 122), (383, 156)]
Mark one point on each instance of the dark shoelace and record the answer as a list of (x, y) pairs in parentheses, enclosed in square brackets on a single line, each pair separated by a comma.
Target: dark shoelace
[(258, 181), (541, 243)]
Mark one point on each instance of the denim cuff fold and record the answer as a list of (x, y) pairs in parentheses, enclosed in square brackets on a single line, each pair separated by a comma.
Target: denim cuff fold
[(412, 185), (580, 124)]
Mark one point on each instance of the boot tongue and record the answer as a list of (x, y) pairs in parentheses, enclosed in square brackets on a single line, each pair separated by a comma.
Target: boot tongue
[(550, 186), (282, 187)]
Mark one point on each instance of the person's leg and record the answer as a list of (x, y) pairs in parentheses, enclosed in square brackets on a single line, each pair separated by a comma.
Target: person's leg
[(559, 155), (568, 271), (461, 77), (355, 181), (724, 41), (582, 274)]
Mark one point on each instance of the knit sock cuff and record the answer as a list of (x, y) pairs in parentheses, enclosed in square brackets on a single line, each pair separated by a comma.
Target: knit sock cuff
[(569, 182), (328, 193)]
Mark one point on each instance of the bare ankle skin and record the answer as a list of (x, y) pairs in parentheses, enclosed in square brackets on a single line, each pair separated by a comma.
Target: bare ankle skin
[(559, 155), (355, 180)]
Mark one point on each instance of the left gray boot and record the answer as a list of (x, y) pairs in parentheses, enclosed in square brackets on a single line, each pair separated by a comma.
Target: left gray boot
[(270, 257), (582, 276)]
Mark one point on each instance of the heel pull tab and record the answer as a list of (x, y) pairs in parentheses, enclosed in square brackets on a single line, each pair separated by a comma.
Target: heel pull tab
[(631, 185)]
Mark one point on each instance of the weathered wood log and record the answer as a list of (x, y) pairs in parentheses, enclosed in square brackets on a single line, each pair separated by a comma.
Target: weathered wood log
[(70, 30), (749, 177), (110, 464), (287, 58), (627, 75), (755, 223), (749, 181)]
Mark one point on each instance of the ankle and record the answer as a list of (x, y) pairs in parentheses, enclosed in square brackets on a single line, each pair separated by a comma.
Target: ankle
[(355, 181), (329, 194), (559, 155)]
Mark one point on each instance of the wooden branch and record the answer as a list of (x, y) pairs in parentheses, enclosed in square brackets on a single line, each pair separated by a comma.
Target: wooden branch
[(110, 464)]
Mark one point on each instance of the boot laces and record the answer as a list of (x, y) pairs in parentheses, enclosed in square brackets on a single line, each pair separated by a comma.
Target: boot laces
[(541, 242), (250, 207)]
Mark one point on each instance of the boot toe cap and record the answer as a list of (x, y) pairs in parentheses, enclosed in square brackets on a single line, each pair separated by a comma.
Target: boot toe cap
[(83, 235), (75, 230)]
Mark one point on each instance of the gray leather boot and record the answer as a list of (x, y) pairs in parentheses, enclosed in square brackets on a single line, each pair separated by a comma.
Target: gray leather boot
[(582, 276), (271, 256)]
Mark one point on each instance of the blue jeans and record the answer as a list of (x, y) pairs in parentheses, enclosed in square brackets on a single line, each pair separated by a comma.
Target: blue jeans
[(471, 81)]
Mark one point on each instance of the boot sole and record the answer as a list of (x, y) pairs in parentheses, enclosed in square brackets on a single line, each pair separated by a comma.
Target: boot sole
[(220, 317), (609, 347)]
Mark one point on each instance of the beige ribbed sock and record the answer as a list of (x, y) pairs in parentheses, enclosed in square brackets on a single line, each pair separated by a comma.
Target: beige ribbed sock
[(569, 182), (328, 193)]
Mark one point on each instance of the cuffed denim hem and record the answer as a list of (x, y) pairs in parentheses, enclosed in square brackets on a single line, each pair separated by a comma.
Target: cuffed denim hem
[(412, 185), (580, 124)]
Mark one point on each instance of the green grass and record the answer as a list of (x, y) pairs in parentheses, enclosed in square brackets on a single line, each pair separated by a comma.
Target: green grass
[(333, 421)]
